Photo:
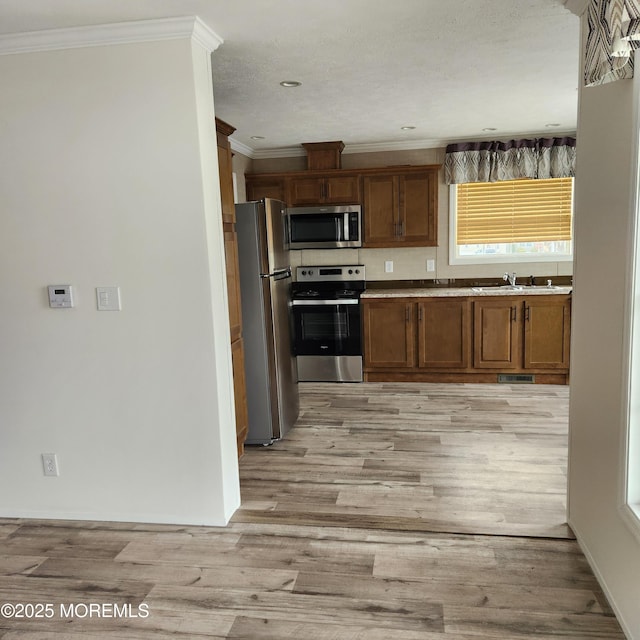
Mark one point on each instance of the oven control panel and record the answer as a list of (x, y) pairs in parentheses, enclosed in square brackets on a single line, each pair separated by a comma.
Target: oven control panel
[(343, 273)]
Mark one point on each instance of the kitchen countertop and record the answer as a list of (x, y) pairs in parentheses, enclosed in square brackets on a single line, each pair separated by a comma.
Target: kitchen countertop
[(453, 292)]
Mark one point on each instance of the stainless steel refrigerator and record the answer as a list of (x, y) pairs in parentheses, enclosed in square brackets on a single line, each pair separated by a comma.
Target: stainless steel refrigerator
[(265, 283)]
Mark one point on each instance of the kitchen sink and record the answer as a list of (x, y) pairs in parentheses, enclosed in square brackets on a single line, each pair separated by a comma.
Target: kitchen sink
[(500, 287), (541, 286), (517, 287)]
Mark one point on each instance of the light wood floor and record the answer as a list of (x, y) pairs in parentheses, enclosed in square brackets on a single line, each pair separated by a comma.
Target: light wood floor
[(404, 512), (454, 458)]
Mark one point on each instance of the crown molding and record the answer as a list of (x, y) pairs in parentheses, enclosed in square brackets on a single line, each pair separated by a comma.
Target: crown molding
[(373, 147), (242, 148), (110, 34), (405, 145)]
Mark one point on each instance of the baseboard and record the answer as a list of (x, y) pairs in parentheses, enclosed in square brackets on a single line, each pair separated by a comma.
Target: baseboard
[(603, 583)]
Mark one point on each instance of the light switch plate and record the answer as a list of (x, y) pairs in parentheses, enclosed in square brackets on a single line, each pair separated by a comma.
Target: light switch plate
[(388, 266), (60, 296), (431, 265), (108, 298)]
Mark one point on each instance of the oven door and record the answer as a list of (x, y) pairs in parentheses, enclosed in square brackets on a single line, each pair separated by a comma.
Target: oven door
[(327, 327)]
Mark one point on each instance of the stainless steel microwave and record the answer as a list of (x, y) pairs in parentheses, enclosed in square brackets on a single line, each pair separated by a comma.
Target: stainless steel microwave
[(335, 227)]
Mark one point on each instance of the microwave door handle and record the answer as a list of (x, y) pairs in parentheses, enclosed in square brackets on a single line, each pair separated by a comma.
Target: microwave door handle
[(345, 221), (338, 231)]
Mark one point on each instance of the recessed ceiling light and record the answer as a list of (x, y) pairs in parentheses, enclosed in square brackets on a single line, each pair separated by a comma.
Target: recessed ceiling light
[(489, 129), (257, 137), (290, 83), (407, 128), (552, 124)]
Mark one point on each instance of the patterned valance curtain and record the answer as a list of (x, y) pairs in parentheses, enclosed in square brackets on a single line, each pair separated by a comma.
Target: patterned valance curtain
[(536, 158), (613, 35)]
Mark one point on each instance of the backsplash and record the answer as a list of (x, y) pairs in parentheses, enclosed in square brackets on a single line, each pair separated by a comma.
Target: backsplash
[(410, 263)]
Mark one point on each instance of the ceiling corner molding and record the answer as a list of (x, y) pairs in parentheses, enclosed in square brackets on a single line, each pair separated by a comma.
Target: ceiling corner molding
[(109, 34), (205, 35), (242, 148)]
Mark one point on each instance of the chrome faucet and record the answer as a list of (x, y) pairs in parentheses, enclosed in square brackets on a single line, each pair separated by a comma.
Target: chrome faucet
[(510, 278)]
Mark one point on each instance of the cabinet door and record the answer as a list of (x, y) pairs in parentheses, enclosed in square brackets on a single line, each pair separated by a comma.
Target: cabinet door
[(388, 333), (233, 282), (342, 190), (547, 321), (305, 191), (266, 188), (444, 332), (380, 200), (496, 332), (226, 182), (240, 394), (417, 209)]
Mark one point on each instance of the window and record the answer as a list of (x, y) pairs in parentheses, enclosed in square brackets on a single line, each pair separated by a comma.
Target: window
[(511, 221)]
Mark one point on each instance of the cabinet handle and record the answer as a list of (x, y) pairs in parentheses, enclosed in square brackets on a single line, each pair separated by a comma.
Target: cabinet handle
[(406, 314), (419, 314), (514, 312), (401, 225), (526, 312), (395, 230)]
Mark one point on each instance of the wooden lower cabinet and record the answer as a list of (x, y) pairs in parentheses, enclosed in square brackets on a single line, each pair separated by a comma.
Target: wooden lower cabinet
[(407, 334), (497, 338), (444, 340), (547, 332), (240, 394), (466, 338), (389, 333)]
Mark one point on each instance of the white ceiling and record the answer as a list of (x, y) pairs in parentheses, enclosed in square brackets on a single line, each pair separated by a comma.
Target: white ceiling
[(368, 67)]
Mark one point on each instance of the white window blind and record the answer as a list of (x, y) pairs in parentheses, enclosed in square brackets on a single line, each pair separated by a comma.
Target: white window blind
[(514, 211)]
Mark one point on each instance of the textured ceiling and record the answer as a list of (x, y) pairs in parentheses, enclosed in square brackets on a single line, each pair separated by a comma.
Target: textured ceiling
[(450, 69)]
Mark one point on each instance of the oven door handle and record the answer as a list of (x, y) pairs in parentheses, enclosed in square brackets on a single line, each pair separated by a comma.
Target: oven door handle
[(323, 303)]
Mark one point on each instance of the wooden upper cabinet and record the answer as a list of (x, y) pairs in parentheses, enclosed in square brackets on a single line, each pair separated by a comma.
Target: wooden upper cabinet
[(312, 190), (547, 328), (418, 208), (324, 155), (223, 131), (444, 333), (389, 333), (380, 215), (401, 209), (259, 187)]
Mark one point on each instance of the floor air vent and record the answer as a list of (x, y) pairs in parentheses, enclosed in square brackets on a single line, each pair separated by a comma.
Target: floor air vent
[(516, 377)]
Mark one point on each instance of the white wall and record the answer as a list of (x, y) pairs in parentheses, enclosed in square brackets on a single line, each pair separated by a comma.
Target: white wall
[(108, 175), (604, 212)]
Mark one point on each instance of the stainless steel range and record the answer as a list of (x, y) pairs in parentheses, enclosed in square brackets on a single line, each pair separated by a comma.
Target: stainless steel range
[(326, 322)]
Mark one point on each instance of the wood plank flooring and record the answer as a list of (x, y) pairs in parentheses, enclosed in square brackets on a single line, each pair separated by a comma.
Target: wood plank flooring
[(459, 458), (324, 547)]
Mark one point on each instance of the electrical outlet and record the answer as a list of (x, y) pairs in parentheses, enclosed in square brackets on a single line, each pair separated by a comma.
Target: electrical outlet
[(388, 266), (431, 265), (50, 464)]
